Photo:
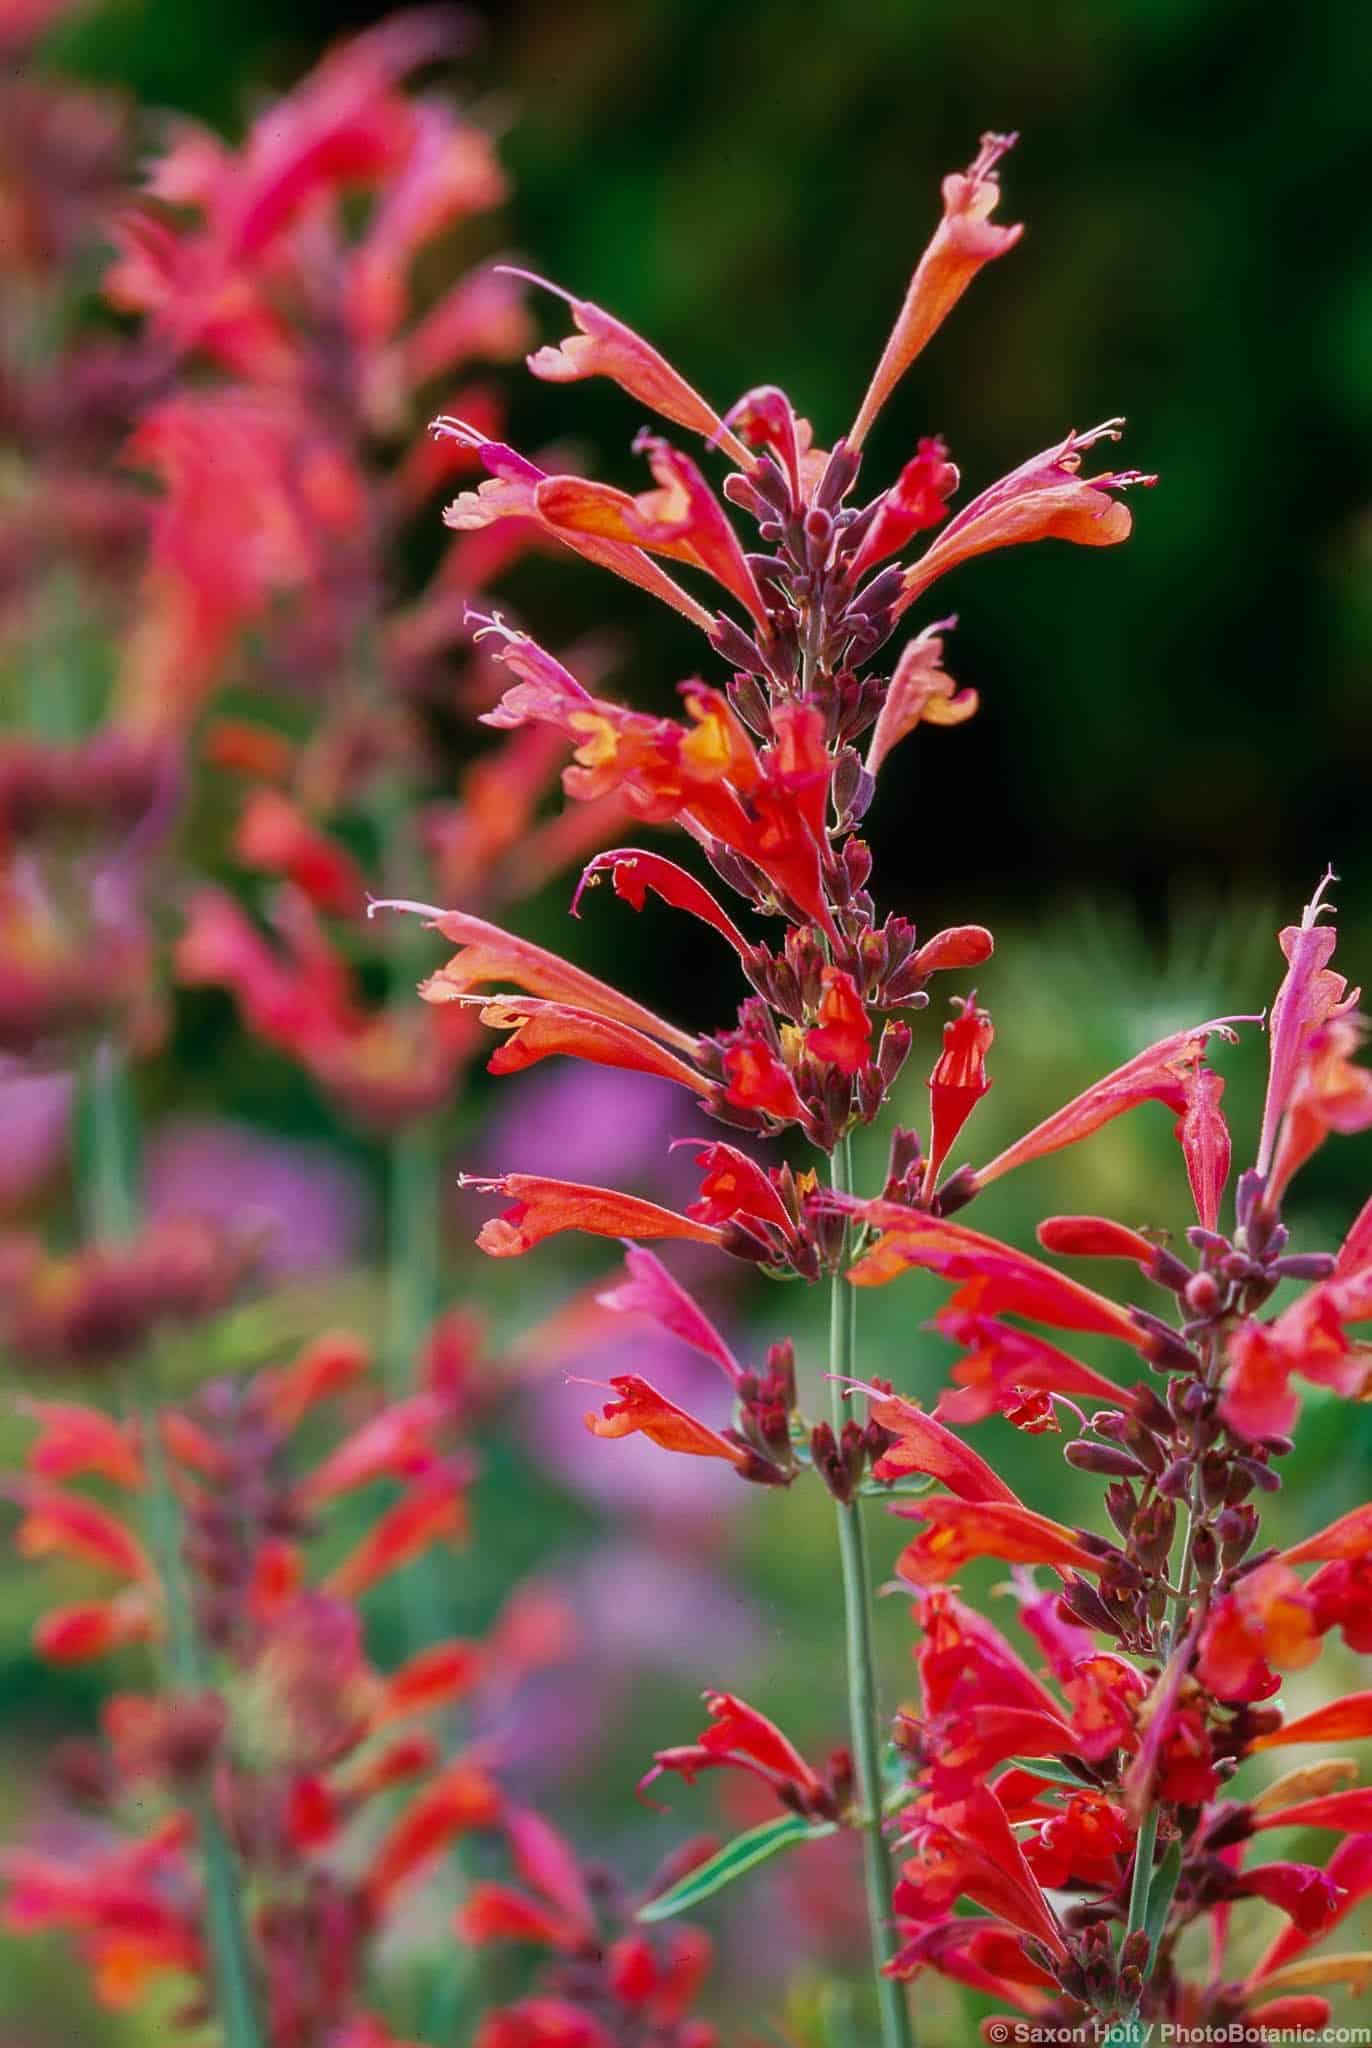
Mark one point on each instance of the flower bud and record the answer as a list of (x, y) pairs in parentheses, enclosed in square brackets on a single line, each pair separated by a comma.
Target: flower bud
[(1110, 1460)]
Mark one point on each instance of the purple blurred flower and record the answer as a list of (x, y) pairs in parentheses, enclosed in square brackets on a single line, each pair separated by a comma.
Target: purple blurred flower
[(35, 1113), (310, 1210)]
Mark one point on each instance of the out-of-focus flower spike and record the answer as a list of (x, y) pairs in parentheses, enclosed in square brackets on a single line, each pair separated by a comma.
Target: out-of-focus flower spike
[(74, 1439), (963, 242), (920, 692), (490, 955), (1157, 1074), (957, 1084), (433, 1677), (681, 518), (634, 872), (1309, 992), (463, 1797), (639, 1409), (327, 1367), (650, 1290), (542, 1207), (605, 347), (274, 835), (61, 1524), (432, 1512), (1046, 498), (95, 1628)]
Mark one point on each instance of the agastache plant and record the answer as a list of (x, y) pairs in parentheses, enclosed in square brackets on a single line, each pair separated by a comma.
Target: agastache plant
[(1084, 1823)]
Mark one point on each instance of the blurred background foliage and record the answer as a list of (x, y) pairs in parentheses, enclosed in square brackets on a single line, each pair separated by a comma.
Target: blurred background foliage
[(1174, 736)]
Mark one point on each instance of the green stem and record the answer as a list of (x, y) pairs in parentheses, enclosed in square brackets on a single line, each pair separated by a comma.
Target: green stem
[(225, 1925), (107, 1147), (413, 1253), (108, 1153), (864, 1711)]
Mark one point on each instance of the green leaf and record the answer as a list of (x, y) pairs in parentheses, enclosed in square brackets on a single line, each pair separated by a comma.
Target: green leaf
[(1160, 1897), (735, 1859), (1052, 1768)]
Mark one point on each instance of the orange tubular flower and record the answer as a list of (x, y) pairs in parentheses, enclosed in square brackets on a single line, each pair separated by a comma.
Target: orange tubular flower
[(1158, 1074), (682, 519), (75, 1439), (1004, 1368), (920, 692), (512, 492), (605, 347), (63, 1524), (963, 243), (543, 1207), (433, 1512), (1046, 498), (491, 955), (1268, 1619), (639, 1409)]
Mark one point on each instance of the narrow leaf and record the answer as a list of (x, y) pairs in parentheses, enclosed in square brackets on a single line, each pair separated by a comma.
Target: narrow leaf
[(1160, 1897), (734, 1860), (1054, 1769)]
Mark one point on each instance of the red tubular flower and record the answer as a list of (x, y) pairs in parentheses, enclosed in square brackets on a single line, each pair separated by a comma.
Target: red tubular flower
[(541, 1029), (605, 347), (543, 1207), (639, 1409), (542, 2023), (634, 872), (957, 1084), (920, 692), (757, 1078), (1046, 498), (964, 241), (650, 1290), (960, 1530), (843, 1033), (740, 1738), (1003, 1279), (556, 1909), (1343, 1720), (94, 1629), (1002, 1365), (923, 1445), (1350, 1868), (964, 1847), (1268, 1618), (917, 500), (1095, 1237), (735, 1186), (1158, 1074), (1206, 1147), (1329, 1094), (433, 1677), (1307, 1894)]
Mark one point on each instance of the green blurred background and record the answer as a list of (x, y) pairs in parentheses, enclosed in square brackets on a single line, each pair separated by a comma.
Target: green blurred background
[(1174, 736)]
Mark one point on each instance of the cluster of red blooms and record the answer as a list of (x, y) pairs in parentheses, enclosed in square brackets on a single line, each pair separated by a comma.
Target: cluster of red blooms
[(1086, 1824)]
